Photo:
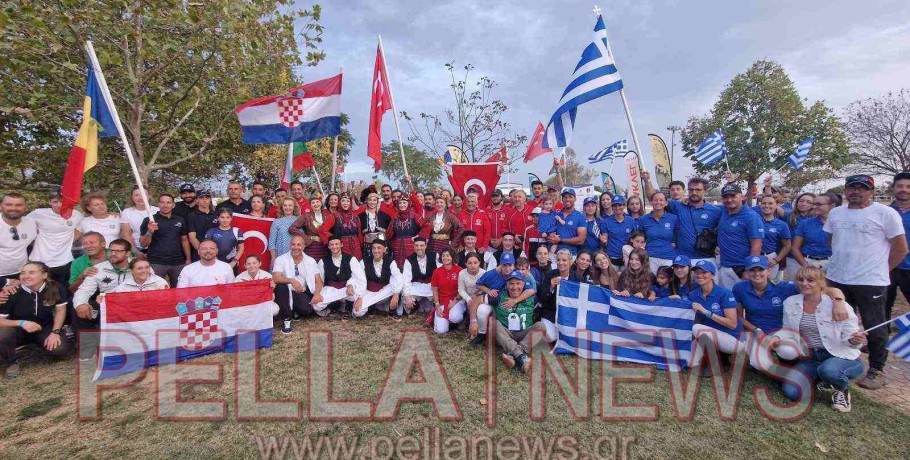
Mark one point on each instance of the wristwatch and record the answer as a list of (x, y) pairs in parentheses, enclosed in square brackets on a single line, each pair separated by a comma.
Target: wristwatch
[(58, 332)]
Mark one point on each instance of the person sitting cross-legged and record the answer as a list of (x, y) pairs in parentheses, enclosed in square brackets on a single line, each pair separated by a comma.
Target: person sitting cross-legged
[(343, 278), (383, 282), (514, 323), (418, 271)]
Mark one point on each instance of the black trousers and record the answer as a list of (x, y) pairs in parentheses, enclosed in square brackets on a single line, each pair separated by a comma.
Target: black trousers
[(900, 279), (12, 337), (869, 303), (61, 275), (301, 302)]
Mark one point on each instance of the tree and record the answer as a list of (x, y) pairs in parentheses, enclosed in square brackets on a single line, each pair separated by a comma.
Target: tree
[(422, 166), (176, 70), (763, 119), (879, 131), (475, 124), (575, 172)]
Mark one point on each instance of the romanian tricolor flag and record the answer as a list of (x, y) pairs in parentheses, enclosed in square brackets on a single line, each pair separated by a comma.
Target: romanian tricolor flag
[(97, 121)]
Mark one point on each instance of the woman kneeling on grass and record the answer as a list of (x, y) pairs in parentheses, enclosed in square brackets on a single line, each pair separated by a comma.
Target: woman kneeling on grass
[(829, 349), (715, 315)]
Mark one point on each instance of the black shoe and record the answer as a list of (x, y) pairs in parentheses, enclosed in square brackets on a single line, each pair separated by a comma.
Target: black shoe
[(296, 317), (478, 339)]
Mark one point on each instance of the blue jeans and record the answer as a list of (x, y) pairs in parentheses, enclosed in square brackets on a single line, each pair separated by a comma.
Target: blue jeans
[(837, 372)]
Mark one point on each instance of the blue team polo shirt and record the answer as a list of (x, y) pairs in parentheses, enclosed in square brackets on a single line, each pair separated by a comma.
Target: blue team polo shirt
[(617, 233), (692, 221), (592, 238), (816, 242), (660, 234), (766, 312), (776, 231), (905, 218), (716, 302), (734, 232), (574, 220)]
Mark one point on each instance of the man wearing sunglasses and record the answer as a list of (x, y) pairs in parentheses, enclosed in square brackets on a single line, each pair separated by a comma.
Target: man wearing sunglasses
[(16, 234)]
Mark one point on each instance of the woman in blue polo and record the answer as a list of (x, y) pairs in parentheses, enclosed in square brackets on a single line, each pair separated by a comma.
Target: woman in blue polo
[(715, 312), (616, 229), (660, 231), (811, 244)]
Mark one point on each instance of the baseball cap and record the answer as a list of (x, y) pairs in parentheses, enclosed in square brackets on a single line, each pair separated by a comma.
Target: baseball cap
[(495, 192), (682, 261), (515, 275), (507, 258), (203, 193), (568, 191), (618, 199), (536, 210), (861, 179), (756, 262), (590, 199), (706, 265), (731, 189), (187, 188)]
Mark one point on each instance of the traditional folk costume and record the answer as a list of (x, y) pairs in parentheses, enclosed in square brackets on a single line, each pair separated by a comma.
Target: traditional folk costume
[(312, 227), (337, 274), (346, 224), (401, 233), (417, 274), (373, 226), (443, 230), (383, 281)]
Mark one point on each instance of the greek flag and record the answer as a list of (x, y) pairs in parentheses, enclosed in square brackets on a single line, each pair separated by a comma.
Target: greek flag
[(594, 76), (711, 150), (618, 149), (900, 343), (595, 324), (802, 152)]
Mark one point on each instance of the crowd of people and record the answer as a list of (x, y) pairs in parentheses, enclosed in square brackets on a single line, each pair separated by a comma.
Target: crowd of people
[(796, 275)]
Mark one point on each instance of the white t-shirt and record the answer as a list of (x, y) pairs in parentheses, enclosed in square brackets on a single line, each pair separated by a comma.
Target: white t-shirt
[(196, 274), (133, 217), (305, 271), (109, 227), (54, 245), (260, 275), (859, 244), (14, 248)]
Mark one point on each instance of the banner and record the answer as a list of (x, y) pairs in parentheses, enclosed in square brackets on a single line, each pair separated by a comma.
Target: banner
[(483, 176), (609, 184), (663, 168), (150, 328), (255, 237), (634, 174)]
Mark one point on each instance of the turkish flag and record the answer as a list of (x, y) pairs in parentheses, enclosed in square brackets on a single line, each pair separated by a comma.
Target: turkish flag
[(535, 147), (501, 156), (482, 176), (255, 237), (379, 104)]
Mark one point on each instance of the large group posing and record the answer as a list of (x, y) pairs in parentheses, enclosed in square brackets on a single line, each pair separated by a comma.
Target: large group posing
[(794, 274)]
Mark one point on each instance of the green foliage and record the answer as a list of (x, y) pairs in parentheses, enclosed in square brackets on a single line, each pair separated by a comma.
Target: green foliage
[(763, 119), (422, 166), (574, 173), (176, 70)]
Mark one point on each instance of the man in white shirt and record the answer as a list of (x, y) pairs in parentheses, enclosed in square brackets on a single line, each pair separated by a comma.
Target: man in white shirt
[(208, 270), (417, 272), (296, 277), (107, 276), (383, 282), (54, 244), (16, 234), (867, 242), (343, 278)]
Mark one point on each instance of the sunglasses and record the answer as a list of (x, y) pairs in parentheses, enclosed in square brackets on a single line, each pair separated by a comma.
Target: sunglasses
[(15, 233)]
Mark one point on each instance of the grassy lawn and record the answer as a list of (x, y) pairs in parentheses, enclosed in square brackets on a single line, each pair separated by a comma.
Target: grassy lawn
[(38, 413)]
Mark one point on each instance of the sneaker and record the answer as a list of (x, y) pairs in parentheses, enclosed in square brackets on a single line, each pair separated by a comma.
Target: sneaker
[(524, 363), (840, 400), (478, 339), (508, 360), (824, 387), (873, 380), (12, 371), (296, 317), (69, 332), (286, 329)]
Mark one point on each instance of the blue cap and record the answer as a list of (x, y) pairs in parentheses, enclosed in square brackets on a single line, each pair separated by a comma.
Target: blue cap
[(568, 191), (507, 258), (618, 199), (515, 275), (706, 265), (682, 261), (756, 261), (590, 199)]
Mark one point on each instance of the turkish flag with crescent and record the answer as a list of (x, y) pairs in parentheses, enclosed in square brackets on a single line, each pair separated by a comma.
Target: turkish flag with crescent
[(481, 176), (379, 104), (535, 147), (255, 237)]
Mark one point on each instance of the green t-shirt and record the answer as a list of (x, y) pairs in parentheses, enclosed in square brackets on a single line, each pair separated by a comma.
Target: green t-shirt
[(524, 310), (79, 265)]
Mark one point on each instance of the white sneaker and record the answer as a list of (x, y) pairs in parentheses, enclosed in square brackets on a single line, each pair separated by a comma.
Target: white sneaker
[(287, 328), (841, 401)]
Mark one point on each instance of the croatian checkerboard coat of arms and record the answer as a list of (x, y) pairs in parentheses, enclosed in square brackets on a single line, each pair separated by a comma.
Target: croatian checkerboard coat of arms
[(290, 108), (199, 322)]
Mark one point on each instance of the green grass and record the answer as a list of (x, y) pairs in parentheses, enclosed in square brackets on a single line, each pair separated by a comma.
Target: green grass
[(45, 402)]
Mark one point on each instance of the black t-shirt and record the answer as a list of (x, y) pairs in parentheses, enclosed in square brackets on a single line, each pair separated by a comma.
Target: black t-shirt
[(21, 306), (243, 207), (200, 222), (166, 247), (183, 210)]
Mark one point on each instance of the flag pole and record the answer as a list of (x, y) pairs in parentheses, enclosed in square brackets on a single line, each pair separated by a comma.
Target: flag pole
[(318, 182), (334, 151), (109, 101), (385, 68)]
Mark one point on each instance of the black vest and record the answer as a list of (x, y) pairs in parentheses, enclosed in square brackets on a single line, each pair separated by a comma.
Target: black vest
[(382, 278), (416, 275), (516, 251), (337, 274)]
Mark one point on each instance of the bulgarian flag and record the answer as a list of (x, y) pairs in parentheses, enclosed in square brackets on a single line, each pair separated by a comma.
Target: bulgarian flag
[(97, 121), (299, 157)]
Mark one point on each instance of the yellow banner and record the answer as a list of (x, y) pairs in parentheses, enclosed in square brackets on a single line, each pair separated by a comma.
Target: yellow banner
[(662, 167)]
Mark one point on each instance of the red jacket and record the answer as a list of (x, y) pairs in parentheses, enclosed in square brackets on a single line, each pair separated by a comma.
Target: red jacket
[(389, 208), (479, 222), (499, 222), (519, 220)]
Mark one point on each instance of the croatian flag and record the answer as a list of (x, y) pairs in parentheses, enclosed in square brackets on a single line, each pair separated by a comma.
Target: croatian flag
[(595, 324), (150, 328), (305, 113)]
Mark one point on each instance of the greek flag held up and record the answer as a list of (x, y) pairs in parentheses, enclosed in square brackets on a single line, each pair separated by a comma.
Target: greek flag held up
[(595, 324), (594, 76), (618, 149), (900, 343), (802, 152), (711, 150)]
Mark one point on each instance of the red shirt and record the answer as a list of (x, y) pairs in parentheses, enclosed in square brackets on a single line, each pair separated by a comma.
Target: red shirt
[(499, 221), (446, 282), (304, 204), (479, 222), (389, 208), (519, 220), (531, 234)]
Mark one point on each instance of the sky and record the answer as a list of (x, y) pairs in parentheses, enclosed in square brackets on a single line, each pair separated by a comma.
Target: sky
[(675, 57)]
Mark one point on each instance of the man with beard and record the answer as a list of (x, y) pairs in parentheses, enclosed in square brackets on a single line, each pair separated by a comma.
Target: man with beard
[(538, 192), (696, 217), (16, 234), (740, 233), (235, 201), (208, 271), (106, 277), (54, 244), (298, 192), (277, 198), (200, 221), (572, 232), (387, 205), (499, 220), (900, 276), (187, 201), (167, 241)]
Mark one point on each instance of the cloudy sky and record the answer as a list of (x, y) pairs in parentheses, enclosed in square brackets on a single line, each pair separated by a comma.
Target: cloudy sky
[(674, 57)]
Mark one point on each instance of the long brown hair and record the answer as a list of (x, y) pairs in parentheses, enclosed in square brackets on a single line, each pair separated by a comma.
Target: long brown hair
[(51, 293), (640, 281), (796, 214), (611, 274)]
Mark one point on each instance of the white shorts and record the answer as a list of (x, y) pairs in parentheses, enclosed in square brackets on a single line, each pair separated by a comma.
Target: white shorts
[(657, 262), (456, 315)]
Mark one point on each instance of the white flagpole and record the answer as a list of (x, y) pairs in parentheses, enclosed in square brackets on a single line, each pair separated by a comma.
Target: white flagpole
[(106, 93), (318, 182), (335, 147), (385, 68)]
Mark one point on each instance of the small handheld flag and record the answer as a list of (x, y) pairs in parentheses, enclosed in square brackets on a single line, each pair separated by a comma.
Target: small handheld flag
[(711, 150), (618, 149), (900, 343), (802, 152)]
